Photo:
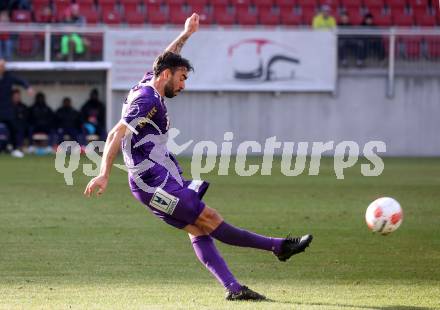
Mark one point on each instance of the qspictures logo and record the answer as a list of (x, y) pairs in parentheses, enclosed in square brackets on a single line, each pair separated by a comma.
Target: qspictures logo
[(206, 155)]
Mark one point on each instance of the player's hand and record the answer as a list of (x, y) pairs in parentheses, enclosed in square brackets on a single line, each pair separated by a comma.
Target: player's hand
[(99, 182), (192, 24)]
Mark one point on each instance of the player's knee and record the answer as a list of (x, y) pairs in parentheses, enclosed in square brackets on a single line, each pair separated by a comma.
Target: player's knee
[(213, 215), (209, 219)]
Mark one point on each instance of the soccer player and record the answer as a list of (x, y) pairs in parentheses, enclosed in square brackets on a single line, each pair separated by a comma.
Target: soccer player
[(155, 176)]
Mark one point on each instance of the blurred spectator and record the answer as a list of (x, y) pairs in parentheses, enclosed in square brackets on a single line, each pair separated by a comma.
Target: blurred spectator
[(323, 20), (93, 115), (372, 45), (349, 45), (21, 118), (6, 43), (68, 122), (19, 5), (41, 118), (73, 16), (7, 80), (73, 46), (45, 15)]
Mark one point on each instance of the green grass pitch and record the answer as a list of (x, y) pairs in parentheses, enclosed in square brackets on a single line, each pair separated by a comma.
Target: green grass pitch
[(59, 250)]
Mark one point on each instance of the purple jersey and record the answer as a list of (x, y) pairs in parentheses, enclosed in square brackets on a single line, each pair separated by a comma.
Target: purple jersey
[(145, 153)]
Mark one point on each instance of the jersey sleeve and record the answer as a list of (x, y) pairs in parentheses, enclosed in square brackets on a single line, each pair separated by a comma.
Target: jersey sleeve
[(137, 111)]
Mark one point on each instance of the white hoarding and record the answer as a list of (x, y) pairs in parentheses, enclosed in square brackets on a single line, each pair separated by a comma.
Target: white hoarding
[(231, 60)]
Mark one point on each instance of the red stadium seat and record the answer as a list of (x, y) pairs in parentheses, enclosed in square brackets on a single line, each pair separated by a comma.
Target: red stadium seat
[(206, 18), (401, 19), (129, 6), (396, 4), (246, 17), (289, 18), (134, 18), (307, 4), (425, 20), (40, 2), (375, 11), (433, 46), (21, 16), (356, 4), (382, 20), (223, 16), (177, 15), (85, 2), (200, 7), (111, 17), (95, 46), (107, 6), (61, 5), (419, 4), (355, 17), (37, 5), (269, 17), (411, 46), (285, 4), (263, 3), (157, 16), (353, 11), (307, 15), (197, 8), (197, 3), (28, 44), (175, 3), (43, 15), (220, 2), (240, 3), (436, 6), (333, 4), (371, 4), (90, 14), (152, 4)]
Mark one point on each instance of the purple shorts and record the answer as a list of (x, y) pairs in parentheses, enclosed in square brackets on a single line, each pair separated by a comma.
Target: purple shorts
[(176, 205)]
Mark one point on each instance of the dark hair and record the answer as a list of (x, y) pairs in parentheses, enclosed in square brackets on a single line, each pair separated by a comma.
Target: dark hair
[(94, 92), (172, 61)]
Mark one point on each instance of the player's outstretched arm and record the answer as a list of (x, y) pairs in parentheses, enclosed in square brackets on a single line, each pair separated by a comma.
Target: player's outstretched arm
[(111, 149), (191, 26)]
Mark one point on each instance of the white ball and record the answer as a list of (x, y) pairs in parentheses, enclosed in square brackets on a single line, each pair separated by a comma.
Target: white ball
[(384, 215)]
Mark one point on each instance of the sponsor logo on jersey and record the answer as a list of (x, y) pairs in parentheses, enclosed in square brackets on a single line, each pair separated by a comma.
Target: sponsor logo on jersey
[(150, 115), (164, 201)]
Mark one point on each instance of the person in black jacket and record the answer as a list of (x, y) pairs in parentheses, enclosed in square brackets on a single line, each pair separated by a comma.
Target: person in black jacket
[(41, 117), (7, 81), (373, 45), (349, 45), (68, 122), (93, 115), (21, 118)]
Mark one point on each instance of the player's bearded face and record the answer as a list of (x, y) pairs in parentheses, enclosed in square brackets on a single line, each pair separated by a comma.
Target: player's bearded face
[(176, 83), (169, 88)]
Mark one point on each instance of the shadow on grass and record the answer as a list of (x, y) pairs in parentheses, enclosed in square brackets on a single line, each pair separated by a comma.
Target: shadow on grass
[(324, 305)]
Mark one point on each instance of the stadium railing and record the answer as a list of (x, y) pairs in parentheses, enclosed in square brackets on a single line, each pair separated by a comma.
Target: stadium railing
[(389, 52)]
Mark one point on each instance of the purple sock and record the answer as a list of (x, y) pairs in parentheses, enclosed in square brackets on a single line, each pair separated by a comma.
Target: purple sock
[(235, 236), (208, 255)]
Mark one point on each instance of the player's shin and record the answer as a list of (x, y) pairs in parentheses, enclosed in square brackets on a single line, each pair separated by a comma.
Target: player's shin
[(229, 234), (209, 256)]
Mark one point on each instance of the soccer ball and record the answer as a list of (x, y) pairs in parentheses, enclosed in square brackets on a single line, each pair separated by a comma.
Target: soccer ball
[(384, 215)]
